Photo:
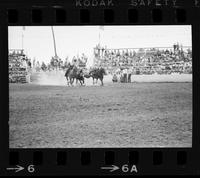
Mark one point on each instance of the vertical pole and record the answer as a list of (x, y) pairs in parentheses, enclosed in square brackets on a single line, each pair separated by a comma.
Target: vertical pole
[(54, 41), (22, 39), (99, 39), (99, 46)]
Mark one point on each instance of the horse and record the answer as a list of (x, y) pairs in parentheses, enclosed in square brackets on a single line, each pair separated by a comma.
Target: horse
[(80, 77), (97, 74), (74, 73), (69, 68)]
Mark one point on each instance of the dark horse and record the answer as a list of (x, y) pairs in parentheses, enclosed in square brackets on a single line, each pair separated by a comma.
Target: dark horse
[(97, 74), (74, 73)]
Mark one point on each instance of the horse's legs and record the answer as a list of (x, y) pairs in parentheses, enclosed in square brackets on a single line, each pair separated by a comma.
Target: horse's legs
[(93, 80), (71, 81), (101, 82), (68, 82)]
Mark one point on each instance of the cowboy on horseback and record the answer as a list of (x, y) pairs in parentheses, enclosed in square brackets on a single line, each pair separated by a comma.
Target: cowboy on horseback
[(69, 67), (74, 73)]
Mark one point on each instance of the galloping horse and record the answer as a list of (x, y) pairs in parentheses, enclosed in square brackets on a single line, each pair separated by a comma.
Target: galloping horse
[(74, 73), (97, 74)]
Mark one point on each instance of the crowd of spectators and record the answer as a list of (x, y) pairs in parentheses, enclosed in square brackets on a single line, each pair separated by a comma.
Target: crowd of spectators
[(19, 66), (147, 61), (57, 63)]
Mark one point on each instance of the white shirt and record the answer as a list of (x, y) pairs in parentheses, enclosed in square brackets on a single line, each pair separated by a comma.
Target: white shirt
[(125, 71)]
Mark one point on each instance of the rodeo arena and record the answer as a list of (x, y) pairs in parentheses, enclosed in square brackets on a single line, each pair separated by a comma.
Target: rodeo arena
[(129, 97)]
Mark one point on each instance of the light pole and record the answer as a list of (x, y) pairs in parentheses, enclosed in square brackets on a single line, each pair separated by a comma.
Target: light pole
[(54, 41)]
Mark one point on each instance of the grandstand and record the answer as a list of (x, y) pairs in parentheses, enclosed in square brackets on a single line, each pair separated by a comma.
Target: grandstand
[(18, 66), (160, 60)]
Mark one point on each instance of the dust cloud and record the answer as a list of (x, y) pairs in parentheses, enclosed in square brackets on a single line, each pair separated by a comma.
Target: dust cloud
[(57, 78)]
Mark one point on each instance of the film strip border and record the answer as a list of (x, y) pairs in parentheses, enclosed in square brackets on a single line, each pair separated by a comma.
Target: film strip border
[(91, 161), (90, 12), (60, 16), (101, 161)]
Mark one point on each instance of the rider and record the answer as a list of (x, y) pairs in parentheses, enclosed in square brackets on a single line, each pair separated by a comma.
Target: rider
[(81, 72), (69, 67)]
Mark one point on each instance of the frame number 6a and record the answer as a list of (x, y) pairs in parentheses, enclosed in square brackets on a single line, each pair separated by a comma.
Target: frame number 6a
[(129, 168)]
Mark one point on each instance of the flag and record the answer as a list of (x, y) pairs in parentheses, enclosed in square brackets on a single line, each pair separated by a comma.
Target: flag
[(101, 27)]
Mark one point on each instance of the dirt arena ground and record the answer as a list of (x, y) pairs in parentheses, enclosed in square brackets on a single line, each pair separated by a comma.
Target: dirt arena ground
[(116, 115)]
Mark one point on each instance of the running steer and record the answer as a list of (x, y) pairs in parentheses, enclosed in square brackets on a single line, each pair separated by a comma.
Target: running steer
[(97, 74)]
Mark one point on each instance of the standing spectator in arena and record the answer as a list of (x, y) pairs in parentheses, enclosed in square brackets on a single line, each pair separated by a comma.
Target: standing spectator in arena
[(125, 71), (129, 75)]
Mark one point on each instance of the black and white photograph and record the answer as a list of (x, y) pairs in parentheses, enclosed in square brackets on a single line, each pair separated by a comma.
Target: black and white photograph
[(100, 86)]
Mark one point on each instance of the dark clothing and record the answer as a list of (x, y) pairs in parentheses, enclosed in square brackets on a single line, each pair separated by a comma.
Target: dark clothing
[(129, 78), (125, 78), (68, 70)]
